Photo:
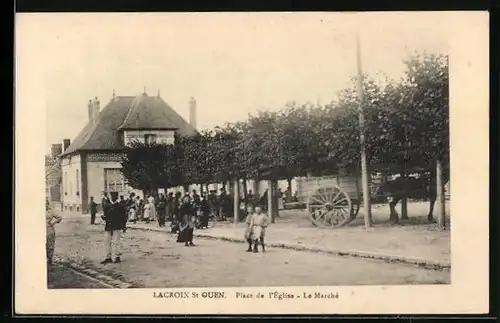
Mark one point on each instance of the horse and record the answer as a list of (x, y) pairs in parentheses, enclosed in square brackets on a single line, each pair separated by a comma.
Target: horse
[(412, 187)]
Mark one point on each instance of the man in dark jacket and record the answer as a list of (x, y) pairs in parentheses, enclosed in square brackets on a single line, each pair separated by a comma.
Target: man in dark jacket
[(170, 206), (116, 220), (93, 210), (161, 208)]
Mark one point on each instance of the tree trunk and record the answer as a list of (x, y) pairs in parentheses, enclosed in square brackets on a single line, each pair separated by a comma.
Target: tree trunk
[(440, 196), (275, 198), (186, 188), (207, 188), (236, 199), (404, 200), (270, 201), (245, 189)]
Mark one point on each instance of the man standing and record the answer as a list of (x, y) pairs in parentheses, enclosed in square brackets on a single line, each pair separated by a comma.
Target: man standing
[(170, 206), (115, 218), (161, 209), (224, 204), (196, 198), (93, 210), (263, 200)]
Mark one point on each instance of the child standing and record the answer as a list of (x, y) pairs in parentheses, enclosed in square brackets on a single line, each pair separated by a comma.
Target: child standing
[(258, 223), (248, 230)]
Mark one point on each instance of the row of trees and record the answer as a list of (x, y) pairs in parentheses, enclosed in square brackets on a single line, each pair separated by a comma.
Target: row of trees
[(406, 126)]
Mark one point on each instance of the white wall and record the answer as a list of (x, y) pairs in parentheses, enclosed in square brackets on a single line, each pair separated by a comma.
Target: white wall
[(70, 165), (95, 178), (162, 136)]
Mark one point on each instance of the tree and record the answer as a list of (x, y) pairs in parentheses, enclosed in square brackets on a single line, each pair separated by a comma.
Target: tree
[(406, 125), (149, 167)]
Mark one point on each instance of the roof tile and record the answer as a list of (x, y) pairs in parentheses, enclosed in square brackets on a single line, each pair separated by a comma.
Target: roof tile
[(128, 112)]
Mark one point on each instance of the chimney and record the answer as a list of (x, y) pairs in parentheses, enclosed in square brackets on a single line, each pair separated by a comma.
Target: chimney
[(66, 143), (192, 112), (90, 110), (56, 150), (97, 108)]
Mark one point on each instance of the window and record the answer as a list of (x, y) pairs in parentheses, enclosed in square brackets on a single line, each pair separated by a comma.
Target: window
[(149, 138), (77, 182), (114, 180)]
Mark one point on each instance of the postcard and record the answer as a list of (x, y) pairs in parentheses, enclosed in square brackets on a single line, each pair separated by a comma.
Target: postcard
[(252, 163)]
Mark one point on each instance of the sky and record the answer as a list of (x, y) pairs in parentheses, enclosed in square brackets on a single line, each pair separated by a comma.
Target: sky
[(232, 63)]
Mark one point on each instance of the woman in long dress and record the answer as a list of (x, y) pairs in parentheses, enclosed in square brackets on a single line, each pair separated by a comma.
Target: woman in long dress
[(50, 219), (132, 214), (146, 215), (151, 201), (186, 227), (280, 197)]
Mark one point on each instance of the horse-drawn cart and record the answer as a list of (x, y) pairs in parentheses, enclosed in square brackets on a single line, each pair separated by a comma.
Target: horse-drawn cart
[(332, 201)]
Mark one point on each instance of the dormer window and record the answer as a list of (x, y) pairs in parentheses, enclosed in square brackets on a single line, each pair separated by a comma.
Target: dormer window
[(149, 139)]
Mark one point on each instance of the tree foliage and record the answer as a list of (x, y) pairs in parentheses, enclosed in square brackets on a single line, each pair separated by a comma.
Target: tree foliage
[(406, 126)]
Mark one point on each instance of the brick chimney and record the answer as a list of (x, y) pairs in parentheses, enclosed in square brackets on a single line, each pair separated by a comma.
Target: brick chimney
[(192, 112), (90, 108), (56, 150), (97, 108), (66, 143)]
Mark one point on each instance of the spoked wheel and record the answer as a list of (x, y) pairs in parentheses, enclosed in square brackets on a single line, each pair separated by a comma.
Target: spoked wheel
[(330, 207)]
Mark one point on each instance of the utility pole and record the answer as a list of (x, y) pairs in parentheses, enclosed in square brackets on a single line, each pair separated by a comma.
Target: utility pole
[(362, 138)]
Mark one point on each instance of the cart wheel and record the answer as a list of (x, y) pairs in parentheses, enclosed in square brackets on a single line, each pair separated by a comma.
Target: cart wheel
[(330, 207)]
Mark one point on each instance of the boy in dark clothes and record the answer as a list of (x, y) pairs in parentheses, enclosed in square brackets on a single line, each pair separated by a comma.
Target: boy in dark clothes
[(116, 220)]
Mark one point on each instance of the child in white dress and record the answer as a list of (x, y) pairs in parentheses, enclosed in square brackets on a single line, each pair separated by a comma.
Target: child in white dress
[(258, 223)]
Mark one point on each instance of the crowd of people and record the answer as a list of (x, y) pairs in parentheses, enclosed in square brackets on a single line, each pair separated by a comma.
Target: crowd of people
[(185, 212)]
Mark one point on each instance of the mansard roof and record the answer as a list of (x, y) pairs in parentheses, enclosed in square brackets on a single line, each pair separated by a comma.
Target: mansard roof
[(128, 113)]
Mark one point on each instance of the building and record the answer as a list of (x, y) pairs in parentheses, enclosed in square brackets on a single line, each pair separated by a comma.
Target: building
[(53, 174), (91, 164)]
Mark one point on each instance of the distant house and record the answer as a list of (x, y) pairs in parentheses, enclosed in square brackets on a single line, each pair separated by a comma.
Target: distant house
[(52, 183), (53, 175), (91, 164)]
